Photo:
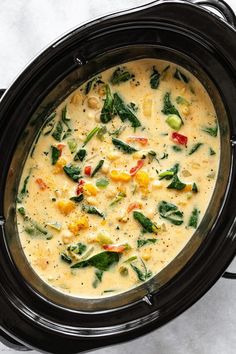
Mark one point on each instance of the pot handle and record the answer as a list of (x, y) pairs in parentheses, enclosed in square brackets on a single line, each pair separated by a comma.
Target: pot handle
[(229, 275), (222, 7)]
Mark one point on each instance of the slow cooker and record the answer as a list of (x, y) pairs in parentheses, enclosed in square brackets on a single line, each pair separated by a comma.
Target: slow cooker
[(33, 315)]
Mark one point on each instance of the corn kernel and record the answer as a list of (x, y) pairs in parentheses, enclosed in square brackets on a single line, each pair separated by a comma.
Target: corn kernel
[(90, 189), (146, 255), (125, 177), (66, 206), (142, 178), (185, 110), (58, 168), (117, 175)]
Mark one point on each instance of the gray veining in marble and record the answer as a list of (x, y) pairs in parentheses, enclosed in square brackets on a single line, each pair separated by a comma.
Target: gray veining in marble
[(26, 27)]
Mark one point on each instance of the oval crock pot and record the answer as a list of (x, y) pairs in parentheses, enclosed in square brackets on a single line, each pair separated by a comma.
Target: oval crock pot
[(33, 314)]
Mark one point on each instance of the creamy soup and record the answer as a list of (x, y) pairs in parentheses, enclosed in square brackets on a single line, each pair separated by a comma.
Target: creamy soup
[(119, 179)]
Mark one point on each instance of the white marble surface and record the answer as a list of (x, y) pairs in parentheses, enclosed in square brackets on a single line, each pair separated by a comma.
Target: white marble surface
[(26, 27)]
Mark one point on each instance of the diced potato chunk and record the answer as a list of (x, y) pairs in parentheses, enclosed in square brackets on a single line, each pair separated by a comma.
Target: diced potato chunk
[(147, 106), (92, 201), (80, 224), (114, 155), (67, 236), (94, 103), (157, 184), (77, 98)]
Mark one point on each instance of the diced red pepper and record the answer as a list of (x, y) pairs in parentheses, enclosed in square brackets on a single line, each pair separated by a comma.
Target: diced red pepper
[(133, 206), (87, 170), (142, 141), (135, 169), (42, 185), (114, 248), (60, 148), (79, 189), (179, 138)]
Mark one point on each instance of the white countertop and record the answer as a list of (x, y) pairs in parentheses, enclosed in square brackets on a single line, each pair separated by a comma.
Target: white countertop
[(26, 27)]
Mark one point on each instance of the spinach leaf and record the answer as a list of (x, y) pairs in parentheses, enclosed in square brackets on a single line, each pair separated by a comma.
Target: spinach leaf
[(146, 223), (119, 144), (55, 154), (21, 210), (60, 132), (34, 229), (170, 212), (66, 258), (155, 78), (80, 155), (213, 131), (73, 172), (107, 109), (182, 100), (194, 148), (97, 168), (169, 108), (118, 131), (143, 242), (211, 151), (102, 261), (169, 174), (132, 106), (120, 75), (176, 184), (78, 248), (98, 278), (77, 199), (193, 220), (49, 124), (180, 76), (124, 112), (92, 210), (177, 148), (90, 84), (57, 133), (24, 190), (194, 188), (142, 275), (90, 135)]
